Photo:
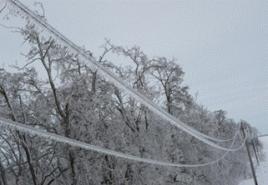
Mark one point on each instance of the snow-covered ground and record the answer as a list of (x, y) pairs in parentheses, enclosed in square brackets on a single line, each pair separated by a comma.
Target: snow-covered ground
[(262, 170)]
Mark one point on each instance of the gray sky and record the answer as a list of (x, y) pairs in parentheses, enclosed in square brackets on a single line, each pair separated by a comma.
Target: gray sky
[(222, 45)]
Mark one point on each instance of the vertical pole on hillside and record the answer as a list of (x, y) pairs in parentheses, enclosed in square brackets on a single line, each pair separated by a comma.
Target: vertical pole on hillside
[(256, 141), (255, 151), (249, 155)]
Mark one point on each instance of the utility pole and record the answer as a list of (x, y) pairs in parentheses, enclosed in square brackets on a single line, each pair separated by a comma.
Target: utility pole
[(255, 151), (249, 155)]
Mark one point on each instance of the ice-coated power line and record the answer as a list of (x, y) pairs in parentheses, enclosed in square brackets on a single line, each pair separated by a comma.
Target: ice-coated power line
[(75, 143), (117, 82)]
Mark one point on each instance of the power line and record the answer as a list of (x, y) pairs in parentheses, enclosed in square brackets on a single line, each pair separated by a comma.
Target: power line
[(75, 143), (263, 135), (119, 83)]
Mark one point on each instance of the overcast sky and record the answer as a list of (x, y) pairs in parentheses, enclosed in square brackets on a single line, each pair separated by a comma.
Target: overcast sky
[(222, 45)]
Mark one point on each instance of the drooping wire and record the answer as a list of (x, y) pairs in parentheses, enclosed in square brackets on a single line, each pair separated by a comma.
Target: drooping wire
[(211, 141), (75, 143)]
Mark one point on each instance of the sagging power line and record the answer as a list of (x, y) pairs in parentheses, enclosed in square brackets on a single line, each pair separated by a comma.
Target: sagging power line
[(75, 143), (211, 141)]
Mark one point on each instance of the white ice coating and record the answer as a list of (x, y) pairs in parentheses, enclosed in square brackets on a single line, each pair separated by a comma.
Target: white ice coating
[(75, 143), (116, 81)]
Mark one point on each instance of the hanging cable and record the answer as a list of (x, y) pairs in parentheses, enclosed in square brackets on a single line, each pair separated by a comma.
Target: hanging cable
[(75, 143), (117, 82)]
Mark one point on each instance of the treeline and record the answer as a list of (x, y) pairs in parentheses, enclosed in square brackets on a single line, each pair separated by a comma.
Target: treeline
[(59, 92)]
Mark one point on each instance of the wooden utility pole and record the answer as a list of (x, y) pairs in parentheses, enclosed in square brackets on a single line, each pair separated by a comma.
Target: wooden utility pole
[(249, 155), (255, 151)]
